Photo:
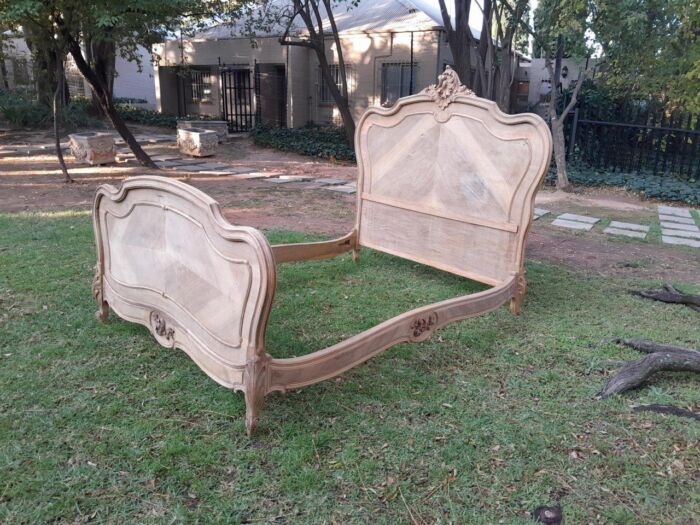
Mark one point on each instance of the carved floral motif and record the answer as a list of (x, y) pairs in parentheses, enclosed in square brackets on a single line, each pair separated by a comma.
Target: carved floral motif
[(447, 88), (161, 328), (93, 147), (421, 326)]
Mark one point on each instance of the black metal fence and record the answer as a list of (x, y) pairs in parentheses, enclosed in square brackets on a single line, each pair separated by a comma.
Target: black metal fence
[(636, 139)]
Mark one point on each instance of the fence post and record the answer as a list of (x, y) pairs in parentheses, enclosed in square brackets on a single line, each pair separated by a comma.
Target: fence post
[(572, 138)]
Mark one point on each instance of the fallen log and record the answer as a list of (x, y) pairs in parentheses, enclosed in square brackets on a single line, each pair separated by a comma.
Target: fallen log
[(667, 409), (659, 358), (668, 294)]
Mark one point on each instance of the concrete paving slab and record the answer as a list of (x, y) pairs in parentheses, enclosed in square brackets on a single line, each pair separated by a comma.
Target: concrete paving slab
[(210, 166), (286, 179), (678, 212), (346, 188), (573, 225), (331, 182), (680, 233), (578, 218), (541, 212), (629, 226), (679, 241), (680, 226), (625, 233), (673, 218)]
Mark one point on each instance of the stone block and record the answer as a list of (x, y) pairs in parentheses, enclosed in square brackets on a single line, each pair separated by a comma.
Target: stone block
[(197, 142), (93, 147), (219, 126)]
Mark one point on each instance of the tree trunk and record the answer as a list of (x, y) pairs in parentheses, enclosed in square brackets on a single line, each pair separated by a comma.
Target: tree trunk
[(636, 372), (107, 105), (56, 118), (101, 57), (559, 145)]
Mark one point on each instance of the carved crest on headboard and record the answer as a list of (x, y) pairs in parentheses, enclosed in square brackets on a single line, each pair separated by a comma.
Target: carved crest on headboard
[(447, 88)]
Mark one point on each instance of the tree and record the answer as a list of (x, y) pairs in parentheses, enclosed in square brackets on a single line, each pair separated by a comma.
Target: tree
[(652, 49), (492, 55), (560, 26), (311, 13), (124, 25)]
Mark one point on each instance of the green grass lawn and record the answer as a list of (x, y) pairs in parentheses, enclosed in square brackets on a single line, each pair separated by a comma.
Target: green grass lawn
[(487, 420)]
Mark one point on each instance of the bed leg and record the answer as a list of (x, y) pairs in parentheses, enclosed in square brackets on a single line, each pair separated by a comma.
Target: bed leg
[(256, 380), (356, 254), (517, 300), (97, 292)]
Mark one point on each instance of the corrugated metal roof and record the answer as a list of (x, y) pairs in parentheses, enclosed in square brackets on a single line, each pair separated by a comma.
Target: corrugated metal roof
[(367, 16)]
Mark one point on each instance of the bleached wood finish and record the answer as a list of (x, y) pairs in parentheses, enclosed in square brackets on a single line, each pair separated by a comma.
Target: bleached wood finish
[(445, 179)]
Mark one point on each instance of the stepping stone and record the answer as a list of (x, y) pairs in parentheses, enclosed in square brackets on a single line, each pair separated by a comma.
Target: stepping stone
[(540, 212), (211, 166), (683, 242), (681, 233), (679, 226), (574, 225), (673, 218), (625, 233), (167, 163), (578, 218), (285, 179), (629, 226), (331, 182), (239, 169), (678, 212), (346, 188), (165, 157), (188, 162)]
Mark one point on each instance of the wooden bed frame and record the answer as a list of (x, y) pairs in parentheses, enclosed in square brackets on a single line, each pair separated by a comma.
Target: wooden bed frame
[(445, 179)]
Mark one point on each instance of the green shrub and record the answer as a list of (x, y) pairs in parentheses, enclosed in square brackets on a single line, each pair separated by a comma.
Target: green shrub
[(666, 187), (146, 116), (316, 141), (20, 110)]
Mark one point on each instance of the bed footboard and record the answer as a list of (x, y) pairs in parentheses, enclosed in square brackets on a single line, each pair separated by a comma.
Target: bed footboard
[(167, 259)]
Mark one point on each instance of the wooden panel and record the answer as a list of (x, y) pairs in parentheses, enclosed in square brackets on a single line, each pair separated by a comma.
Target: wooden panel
[(477, 252), (168, 260), (443, 170)]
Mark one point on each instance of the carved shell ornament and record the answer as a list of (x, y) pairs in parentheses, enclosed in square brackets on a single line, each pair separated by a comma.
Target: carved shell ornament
[(447, 88)]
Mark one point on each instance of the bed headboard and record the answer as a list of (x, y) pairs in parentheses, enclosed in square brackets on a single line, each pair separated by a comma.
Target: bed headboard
[(447, 179)]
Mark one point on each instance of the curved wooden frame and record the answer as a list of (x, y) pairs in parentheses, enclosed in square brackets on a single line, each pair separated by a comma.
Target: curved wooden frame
[(167, 259)]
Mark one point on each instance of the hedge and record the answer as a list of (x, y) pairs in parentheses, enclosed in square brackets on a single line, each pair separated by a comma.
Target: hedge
[(327, 142)]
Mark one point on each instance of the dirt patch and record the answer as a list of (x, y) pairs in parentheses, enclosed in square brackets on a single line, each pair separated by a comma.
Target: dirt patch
[(33, 183)]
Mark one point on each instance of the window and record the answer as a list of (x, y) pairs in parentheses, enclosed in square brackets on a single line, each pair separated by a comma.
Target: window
[(398, 80), (20, 71), (324, 93), (201, 87)]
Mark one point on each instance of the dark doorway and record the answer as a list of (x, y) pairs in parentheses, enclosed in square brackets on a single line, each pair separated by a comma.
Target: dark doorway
[(237, 99), (271, 94)]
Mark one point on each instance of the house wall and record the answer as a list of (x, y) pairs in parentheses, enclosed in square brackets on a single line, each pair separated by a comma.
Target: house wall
[(365, 54), (129, 82), (540, 84), (237, 51), (18, 65)]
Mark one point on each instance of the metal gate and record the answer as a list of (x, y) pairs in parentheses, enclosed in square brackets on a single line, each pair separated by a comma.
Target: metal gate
[(237, 99)]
